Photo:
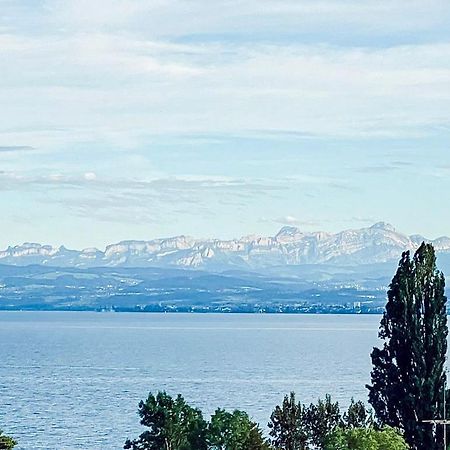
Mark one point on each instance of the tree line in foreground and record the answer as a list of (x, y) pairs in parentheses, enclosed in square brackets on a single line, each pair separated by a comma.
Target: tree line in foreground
[(175, 425), (407, 390)]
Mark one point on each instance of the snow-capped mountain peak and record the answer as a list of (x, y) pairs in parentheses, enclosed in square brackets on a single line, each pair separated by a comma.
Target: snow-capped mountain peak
[(290, 246)]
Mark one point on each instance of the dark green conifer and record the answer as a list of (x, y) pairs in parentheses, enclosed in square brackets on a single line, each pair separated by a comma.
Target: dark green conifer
[(357, 416), (408, 373), (320, 420), (287, 428)]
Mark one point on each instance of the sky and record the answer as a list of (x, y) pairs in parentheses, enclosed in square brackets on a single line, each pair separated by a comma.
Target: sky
[(139, 119)]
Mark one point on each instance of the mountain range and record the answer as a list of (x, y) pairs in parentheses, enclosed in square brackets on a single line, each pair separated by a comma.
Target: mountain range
[(293, 271), (379, 243)]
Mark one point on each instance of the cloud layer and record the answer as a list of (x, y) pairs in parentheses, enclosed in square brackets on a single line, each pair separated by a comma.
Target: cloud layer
[(205, 113), (116, 87)]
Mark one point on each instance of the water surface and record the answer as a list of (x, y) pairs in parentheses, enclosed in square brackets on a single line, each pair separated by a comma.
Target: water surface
[(72, 380)]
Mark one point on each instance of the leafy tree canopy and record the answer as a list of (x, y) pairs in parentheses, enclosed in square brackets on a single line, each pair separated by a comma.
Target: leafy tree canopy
[(234, 431), (365, 439), (172, 423)]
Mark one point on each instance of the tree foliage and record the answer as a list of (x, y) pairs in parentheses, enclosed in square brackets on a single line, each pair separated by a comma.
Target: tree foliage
[(6, 442), (365, 439), (172, 423), (293, 426), (234, 431), (357, 416), (408, 371), (287, 427), (321, 419)]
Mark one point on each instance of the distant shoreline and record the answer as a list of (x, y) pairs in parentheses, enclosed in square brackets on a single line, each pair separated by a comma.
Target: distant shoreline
[(279, 313)]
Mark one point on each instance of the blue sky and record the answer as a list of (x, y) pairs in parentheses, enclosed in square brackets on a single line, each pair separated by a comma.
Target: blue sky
[(140, 119)]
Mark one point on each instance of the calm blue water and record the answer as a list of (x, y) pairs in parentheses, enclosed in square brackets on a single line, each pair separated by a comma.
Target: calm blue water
[(73, 380)]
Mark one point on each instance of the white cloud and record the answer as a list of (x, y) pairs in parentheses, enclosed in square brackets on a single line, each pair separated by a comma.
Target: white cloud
[(90, 176), (295, 222), (53, 177), (180, 17), (105, 86), (115, 70)]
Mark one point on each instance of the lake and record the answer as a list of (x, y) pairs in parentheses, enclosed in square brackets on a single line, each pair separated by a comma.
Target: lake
[(73, 380)]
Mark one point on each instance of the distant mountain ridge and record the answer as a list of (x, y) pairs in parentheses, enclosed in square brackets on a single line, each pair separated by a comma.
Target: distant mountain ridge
[(290, 246)]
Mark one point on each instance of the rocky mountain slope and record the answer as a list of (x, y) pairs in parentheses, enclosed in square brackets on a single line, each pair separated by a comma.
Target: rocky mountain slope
[(290, 246)]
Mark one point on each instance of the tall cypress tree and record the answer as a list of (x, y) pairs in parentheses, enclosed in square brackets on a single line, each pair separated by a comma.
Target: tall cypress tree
[(408, 375)]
